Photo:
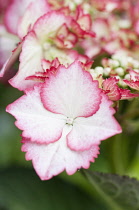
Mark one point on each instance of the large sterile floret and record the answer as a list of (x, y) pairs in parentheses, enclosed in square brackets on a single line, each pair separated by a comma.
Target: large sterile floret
[(41, 43), (63, 121)]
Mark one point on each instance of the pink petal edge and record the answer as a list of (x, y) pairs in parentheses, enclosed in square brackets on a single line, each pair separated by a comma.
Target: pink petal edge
[(89, 131), (71, 92), (52, 159), (37, 123)]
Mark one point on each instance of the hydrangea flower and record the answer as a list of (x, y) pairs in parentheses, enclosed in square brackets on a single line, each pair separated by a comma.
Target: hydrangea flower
[(38, 45), (64, 120), (49, 38)]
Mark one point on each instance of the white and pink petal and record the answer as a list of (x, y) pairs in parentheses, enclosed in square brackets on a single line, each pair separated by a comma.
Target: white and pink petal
[(33, 12), (134, 75), (85, 22), (14, 12), (37, 123), (126, 94), (111, 86), (112, 46), (30, 62), (7, 67), (71, 92), (51, 159), (89, 131), (132, 84), (101, 28), (8, 43), (47, 25)]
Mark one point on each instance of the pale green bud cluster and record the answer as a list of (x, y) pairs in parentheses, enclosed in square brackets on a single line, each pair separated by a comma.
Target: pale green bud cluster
[(118, 66)]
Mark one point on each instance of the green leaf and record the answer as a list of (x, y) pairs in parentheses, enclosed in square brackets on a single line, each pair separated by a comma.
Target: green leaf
[(118, 192), (10, 138), (21, 189)]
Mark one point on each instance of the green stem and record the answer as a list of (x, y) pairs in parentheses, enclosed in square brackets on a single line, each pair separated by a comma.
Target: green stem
[(118, 155), (132, 110), (118, 144)]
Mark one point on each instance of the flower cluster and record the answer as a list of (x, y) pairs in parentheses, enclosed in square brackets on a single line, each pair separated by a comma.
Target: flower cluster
[(68, 104)]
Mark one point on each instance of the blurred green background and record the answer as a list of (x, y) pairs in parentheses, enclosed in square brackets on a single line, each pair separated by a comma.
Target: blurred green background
[(21, 189)]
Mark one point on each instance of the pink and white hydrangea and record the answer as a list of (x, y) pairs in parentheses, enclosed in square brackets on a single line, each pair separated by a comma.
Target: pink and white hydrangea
[(42, 43), (68, 107), (64, 120), (38, 45)]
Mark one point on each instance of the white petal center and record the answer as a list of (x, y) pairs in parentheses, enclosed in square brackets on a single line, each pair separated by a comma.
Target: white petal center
[(69, 121)]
